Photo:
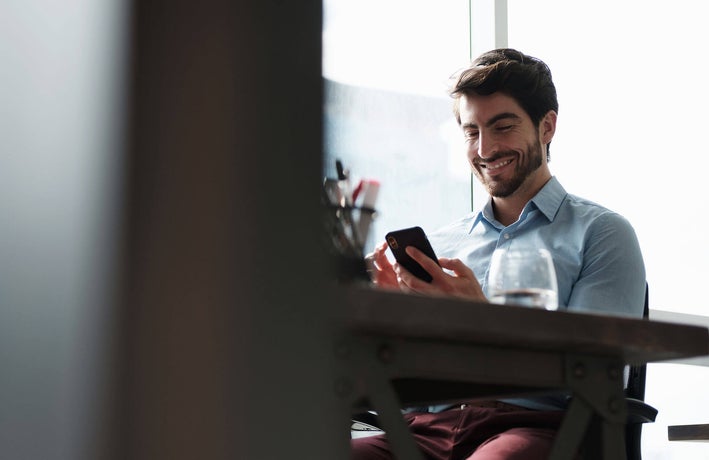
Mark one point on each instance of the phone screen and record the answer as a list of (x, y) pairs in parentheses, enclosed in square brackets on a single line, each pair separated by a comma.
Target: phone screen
[(416, 237)]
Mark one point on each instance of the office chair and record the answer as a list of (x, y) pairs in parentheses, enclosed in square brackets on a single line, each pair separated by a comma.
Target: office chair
[(638, 411)]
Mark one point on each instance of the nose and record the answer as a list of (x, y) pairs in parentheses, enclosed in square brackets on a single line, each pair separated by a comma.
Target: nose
[(487, 146)]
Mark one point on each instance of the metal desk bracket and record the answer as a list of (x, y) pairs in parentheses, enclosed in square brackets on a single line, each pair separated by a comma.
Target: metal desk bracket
[(372, 361), (596, 410)]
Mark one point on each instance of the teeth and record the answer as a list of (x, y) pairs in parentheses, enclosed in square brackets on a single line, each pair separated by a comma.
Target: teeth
[(499, 165)]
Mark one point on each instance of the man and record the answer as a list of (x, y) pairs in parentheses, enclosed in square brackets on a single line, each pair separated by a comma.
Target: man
[(507, 108)]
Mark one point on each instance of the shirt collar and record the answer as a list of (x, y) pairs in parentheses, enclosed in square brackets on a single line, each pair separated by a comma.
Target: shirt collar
[(548, 201)]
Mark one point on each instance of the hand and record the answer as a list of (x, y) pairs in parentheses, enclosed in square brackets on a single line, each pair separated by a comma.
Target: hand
[(462, 283), (380, 269)]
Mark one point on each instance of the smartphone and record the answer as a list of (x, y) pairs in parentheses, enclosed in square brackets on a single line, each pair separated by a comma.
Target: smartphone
[(414, 236)]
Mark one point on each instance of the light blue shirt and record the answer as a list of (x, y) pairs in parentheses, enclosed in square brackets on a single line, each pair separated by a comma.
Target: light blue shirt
[(599, 266), (597, 258)]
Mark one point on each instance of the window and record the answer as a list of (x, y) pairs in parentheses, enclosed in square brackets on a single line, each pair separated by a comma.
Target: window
[(387, 113)]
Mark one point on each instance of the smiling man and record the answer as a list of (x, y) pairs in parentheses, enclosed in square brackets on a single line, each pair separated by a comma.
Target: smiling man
[(506, 106), (505, 149)]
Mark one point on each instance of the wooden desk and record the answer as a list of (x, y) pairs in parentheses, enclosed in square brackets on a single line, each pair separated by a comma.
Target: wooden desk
[(403, 350)]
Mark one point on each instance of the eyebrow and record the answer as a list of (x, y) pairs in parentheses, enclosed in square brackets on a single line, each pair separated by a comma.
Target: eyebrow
[(495, 119)]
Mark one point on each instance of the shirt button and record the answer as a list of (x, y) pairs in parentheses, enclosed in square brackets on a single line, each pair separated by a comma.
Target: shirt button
[(506, 236)]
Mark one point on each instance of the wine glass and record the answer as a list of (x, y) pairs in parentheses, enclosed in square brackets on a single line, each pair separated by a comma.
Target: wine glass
[(523, 277)]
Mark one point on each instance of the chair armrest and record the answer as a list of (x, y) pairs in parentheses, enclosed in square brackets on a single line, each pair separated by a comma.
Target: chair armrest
[(640, 412)]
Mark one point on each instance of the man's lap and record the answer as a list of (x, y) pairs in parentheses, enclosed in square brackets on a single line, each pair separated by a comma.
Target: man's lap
[(475, 433)]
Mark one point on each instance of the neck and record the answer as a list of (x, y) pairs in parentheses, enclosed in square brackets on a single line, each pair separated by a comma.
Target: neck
[(508, 209)]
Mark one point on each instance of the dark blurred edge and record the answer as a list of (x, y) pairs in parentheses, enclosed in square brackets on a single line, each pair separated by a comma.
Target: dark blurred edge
[(226, 319)]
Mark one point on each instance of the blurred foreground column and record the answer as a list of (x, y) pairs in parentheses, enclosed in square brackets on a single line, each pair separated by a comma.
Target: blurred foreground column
[(224, 347)]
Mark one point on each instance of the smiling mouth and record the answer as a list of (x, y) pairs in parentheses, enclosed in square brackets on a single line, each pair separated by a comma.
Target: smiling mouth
[(495, 166)]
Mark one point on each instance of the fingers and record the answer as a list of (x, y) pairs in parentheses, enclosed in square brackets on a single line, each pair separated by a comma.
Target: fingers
[(380, 269), (467, 283), (461, 283), (380, 257), (426, 262), (408, 281), (456, 266)]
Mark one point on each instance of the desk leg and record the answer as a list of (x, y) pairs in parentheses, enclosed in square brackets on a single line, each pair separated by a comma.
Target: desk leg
[(384, 399), (573, 428), (373, 361), (614, 440), (597, 386)]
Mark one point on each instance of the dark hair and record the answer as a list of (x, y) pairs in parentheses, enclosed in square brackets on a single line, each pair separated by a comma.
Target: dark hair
[(524, 78)]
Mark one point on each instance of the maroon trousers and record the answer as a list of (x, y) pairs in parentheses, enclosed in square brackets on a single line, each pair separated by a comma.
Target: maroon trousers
[(473, 433)]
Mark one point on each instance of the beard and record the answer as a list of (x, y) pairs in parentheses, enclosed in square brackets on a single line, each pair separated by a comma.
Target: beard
[(524, 167)]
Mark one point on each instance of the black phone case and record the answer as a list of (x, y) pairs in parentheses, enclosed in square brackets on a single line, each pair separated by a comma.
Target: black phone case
[(414, 236)]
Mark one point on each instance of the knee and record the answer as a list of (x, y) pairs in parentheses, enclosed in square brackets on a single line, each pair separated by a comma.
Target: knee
[(516, 444), (370, 448)]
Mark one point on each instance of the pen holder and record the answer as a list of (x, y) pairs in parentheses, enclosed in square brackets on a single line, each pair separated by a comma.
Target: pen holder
[(347, 228)]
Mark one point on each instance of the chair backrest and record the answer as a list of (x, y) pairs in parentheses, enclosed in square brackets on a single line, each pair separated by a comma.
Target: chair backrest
[(637, 376), (638, 411)]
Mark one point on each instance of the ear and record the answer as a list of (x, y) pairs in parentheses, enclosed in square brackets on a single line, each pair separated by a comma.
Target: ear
[(547, 127)]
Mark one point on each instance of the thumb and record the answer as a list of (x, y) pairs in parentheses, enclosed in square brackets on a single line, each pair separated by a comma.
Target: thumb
[(456, 266)]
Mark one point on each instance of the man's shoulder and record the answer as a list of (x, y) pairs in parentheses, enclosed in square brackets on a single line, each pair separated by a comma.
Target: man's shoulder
[(580, 204), (594, 214)]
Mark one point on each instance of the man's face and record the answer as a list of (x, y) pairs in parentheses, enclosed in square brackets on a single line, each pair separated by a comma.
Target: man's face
[(504, 148)]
